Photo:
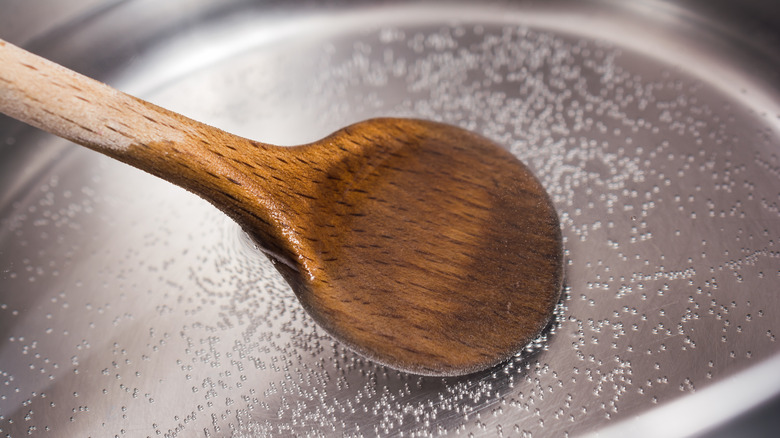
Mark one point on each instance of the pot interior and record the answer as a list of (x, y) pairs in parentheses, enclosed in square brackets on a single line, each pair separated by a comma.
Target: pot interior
[(130, 307)]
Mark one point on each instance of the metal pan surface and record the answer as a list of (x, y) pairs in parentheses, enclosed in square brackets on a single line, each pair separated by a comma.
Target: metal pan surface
[(129, 307)]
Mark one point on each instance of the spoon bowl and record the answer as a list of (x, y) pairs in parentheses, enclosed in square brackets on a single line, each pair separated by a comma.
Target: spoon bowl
[(420, 245)]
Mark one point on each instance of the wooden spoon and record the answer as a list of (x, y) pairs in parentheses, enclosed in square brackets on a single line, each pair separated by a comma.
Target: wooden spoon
[(422, 246)]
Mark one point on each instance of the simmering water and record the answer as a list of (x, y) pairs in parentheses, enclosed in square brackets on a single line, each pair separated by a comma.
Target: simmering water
[(129, 307)]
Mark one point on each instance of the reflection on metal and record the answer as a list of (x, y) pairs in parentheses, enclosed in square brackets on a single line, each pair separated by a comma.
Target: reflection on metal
[(129, 307)]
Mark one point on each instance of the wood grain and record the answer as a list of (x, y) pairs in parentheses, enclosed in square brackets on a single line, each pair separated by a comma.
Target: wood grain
[(422, 246)]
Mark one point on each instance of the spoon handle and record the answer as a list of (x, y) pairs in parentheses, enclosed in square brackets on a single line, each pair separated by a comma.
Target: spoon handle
[(180, 150), (195, 156), (231, 172), (69, 105)]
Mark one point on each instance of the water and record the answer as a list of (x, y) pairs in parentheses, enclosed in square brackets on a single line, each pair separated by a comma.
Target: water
[(130, 307)]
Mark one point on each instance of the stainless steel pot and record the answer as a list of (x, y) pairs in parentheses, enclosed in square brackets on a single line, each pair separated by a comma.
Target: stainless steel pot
[(131, 308)]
